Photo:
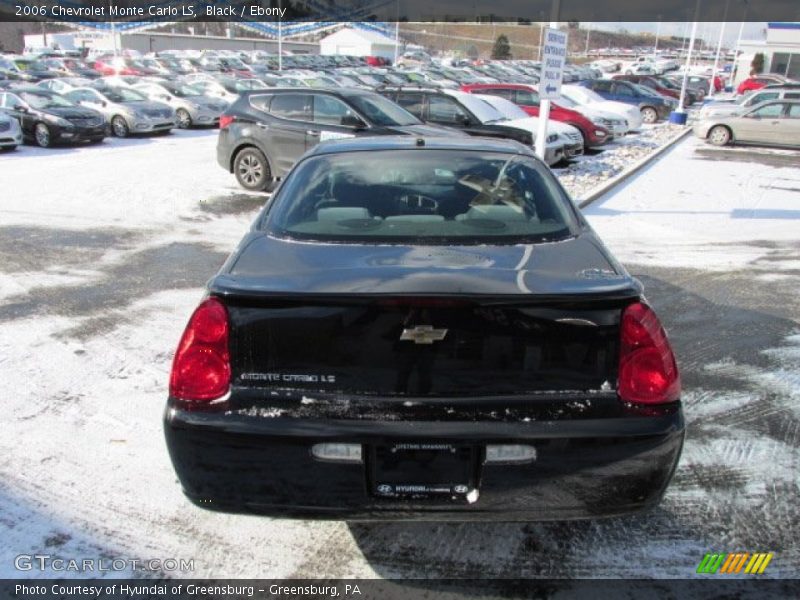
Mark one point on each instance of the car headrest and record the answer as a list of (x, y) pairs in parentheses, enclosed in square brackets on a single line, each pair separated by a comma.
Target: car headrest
[(342, 213), (498, 212)]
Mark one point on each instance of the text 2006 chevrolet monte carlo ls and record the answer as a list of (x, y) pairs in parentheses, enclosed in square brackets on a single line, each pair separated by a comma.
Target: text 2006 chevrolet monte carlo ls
[(426, 329)]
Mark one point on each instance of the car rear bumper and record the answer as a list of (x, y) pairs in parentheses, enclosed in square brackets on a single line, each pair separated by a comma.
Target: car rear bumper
[(584, 468)]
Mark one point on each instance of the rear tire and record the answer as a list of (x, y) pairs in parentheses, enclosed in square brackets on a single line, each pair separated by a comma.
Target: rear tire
[(251, 169), (719, 135), (649, 115)]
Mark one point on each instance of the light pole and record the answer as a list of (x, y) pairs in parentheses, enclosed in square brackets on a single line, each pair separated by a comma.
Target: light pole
[(680, 110), (658, 34), (113, 31), (712, 87), (397, 33), (735, 71), (280, 38), (588, 33)]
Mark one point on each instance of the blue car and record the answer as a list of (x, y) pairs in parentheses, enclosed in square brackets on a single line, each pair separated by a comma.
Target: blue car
[(652, 105)]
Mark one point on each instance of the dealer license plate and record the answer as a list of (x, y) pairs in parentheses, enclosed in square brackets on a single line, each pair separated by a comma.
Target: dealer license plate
[(423, 470)]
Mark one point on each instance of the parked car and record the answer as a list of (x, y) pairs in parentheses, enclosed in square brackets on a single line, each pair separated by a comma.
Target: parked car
[(773, 123), (116, 65), (192, 107), (587, 99), (757, 82), (37, 69), (750, 99), (10, 71), (424, 328), (661, 86), (570, 140), (264, 132), (10, 131), (227, 88), (48, 118), (652, 106), (127, 111), (62, 85), (616, 124), (697, 82), (641, 68), (527, 97), (71, 67), (464, 111)]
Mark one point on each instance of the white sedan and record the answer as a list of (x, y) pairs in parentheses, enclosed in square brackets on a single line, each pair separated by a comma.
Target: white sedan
[(516, 117), (586, 98)]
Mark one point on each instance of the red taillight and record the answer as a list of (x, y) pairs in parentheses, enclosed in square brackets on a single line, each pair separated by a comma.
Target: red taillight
[(648, 373), (225, 120), (201, 371)]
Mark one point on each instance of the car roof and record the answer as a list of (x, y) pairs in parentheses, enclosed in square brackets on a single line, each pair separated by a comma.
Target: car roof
[(409, 142), (345, 92), (33, 90)]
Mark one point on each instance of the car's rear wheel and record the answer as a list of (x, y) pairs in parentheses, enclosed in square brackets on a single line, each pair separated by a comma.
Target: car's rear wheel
[(184, 118), (719, 135), (120, 127), (252, 170), (42, 135), (649, 115)]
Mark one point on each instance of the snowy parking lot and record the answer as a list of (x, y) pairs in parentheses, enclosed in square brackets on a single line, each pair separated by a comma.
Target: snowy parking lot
[(104, 252)]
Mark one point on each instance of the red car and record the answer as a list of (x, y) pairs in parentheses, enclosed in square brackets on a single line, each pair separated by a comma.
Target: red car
[(376, 61), (756, 83), (527, 98), (114, 66)]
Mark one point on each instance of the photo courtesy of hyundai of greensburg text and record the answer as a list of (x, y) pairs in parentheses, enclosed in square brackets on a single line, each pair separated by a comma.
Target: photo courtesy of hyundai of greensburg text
[(388, 299)]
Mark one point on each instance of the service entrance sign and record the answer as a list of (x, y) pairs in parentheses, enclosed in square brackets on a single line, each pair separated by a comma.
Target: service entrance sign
[(554, 56)]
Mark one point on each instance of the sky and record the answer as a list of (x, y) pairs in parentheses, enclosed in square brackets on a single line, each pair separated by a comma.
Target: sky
[(707, 31)]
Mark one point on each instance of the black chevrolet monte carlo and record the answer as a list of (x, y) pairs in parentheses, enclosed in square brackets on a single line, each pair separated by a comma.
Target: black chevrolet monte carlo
[(424, 329)]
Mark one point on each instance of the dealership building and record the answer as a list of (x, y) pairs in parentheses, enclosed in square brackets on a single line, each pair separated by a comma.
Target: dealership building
[(781, 50)]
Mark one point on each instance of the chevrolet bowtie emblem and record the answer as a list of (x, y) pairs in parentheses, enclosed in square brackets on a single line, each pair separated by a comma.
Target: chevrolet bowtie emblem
[(423, 334)]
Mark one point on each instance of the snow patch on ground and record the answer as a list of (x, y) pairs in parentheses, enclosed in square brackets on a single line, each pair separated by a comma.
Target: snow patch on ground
[(590, 170), (711, 214)]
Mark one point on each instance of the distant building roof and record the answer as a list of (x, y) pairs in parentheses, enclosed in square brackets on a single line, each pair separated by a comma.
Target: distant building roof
[(350, 33)]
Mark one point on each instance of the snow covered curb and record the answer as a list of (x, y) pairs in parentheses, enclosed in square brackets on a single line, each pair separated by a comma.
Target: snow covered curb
[(601, 189)]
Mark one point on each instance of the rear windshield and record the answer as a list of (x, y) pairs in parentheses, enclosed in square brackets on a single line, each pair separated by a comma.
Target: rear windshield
[(428, 196)]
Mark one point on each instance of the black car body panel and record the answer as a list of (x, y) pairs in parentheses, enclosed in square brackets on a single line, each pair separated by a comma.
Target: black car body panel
[(530, 357)]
